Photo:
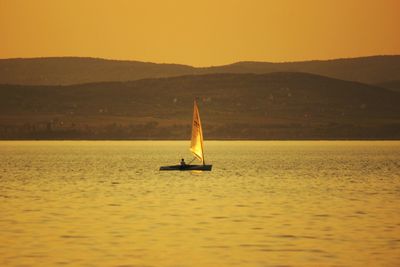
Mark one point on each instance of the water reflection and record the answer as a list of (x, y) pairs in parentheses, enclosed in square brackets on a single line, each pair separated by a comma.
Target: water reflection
[(264, 204)]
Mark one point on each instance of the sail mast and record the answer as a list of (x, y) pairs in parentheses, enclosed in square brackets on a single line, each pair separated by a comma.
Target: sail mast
[(197, 135), (201, 133)]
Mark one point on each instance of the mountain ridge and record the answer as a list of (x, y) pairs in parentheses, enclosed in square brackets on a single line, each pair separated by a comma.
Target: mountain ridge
[(76, 70), (277, 105)]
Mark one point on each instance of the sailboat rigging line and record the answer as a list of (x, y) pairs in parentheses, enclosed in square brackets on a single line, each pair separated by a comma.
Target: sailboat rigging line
[(202, 149), (192, 160)]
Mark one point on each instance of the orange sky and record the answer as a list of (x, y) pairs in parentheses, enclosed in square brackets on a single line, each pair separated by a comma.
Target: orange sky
[(200, 32)]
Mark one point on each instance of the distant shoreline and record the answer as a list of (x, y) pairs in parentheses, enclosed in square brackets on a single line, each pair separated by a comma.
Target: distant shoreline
[(204, 140), (349, 99)]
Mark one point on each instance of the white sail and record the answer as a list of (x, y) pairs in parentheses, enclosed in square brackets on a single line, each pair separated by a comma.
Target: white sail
[(196, 145)]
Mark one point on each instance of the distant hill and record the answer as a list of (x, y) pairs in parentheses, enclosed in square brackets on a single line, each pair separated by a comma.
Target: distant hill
[(74, 70), (375, 69), (393, 85), (233, 106)]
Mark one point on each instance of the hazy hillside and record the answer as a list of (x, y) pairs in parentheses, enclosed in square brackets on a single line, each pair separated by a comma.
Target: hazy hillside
[(75, 70), (393, 85), (240, 106), (69, 70), (370, 70)]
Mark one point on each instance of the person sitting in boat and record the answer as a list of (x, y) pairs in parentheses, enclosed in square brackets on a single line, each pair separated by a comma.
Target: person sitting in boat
[(183, 163)]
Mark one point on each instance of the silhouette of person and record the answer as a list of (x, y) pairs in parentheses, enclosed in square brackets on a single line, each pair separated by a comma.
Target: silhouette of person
[(183, 162)]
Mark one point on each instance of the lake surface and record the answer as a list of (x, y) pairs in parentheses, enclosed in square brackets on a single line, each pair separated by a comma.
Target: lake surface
[(272, 203)]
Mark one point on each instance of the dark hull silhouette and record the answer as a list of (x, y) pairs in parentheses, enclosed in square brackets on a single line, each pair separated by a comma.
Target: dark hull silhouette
[(186, 168)]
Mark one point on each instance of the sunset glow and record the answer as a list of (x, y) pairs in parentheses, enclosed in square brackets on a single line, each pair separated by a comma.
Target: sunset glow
[(200, 33)]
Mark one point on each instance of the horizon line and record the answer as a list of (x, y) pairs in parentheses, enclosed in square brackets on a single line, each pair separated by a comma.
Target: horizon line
[(207, 66)]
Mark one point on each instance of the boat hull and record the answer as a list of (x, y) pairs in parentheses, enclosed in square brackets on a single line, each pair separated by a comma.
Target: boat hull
[(186, 168)]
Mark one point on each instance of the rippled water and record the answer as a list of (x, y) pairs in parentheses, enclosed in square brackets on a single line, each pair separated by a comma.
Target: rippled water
[(264, 204)]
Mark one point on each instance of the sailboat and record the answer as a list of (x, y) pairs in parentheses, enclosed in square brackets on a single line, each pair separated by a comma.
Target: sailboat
[(196, 147)]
